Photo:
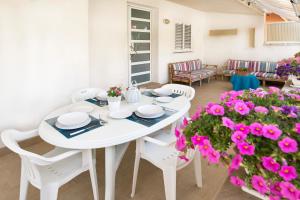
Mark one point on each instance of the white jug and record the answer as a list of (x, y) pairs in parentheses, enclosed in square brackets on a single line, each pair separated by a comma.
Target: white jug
[(133, 94)]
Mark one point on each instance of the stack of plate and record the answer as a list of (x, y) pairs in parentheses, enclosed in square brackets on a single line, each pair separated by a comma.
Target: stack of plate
[(150, 111), (73, 120), (162, 92)]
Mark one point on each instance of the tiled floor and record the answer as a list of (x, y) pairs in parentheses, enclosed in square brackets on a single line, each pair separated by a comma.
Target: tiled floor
[(150, 180)]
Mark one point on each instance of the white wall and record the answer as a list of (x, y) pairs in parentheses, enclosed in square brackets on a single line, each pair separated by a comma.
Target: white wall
[(109, 44), (219, 49), (43, 58)]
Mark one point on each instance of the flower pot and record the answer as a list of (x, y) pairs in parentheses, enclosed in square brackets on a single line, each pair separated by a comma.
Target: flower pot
[(114, 103)]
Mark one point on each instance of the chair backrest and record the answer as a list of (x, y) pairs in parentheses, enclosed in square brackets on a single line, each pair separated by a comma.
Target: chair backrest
[(189, 65), (184, 90), (84, 94), (30, 161)]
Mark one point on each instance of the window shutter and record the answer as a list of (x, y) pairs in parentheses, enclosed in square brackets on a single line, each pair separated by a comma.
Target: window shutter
[(187, 36), (178, 36), (283, 32)]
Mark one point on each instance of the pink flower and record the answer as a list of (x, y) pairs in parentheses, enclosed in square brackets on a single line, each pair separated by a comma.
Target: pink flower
[(228, 123), (261, 109), (288, 145), (208, 106), (213, 156), (243, 128), (276, 189), (185, 122), (246, 149), (276, 109), (259, 184), (181, 143), (197, 114), (271, 132), (274, 197), (256, 129), (205, 148), (289, 191), (270, 164), (250, 105), (217, 110), (238, 137), (198, 140), (236, 162), (177, 132), (183, 157), (297, 128), (274, 90), (234, 180), (288, 173), (241, 108)]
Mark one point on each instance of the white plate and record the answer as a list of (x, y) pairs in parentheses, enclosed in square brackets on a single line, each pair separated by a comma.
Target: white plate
[(121, 114), (102, 95), (163, 92), (150, 110), (149, 117), (164, 99), (73, 119), (60, 126), (82, 108), (295, 86)]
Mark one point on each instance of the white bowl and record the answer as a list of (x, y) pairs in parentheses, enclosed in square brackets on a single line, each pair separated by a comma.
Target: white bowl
[(73, 119), (163, 91), (150, 110), (164, 99)]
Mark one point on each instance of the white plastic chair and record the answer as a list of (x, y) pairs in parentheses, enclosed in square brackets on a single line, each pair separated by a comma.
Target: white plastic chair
[(51, 170), (160, 151), (184, 90), (84, 94)]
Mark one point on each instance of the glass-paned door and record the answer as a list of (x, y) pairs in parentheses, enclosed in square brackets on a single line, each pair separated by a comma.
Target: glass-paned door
[(139, 45)]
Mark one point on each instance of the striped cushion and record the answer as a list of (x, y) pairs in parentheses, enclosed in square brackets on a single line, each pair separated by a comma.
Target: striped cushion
[(188, 65), (231, 72), (235, 64), (261, 66), (266, 75)]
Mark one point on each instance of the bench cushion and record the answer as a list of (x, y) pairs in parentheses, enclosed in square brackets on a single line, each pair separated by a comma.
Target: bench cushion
[(262, 66), (266, 75)]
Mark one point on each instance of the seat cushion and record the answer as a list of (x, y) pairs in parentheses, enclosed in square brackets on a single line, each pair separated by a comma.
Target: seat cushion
[(229, 72), (181, 75), (266, 75)]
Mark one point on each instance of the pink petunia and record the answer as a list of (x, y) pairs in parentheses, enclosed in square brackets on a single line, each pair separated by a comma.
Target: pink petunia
[(228, 123), (181, 143), (275, 189), (213, 156), (274, 197), (297, 128), (272, 132), (243, 128), (261, 109), (177, 132), (250, 105), (236, 162), (197, 114), (238, 137), (208, 107), (288, 145), (198, 139), (234, 180), (259, 184), (289, 191), (270, 164), (274, 90), (184, 123), (241, 108), (217, 110), (183, 157), (246, 148), (256, 129), (205, 148), (288, 173), (276, 109)]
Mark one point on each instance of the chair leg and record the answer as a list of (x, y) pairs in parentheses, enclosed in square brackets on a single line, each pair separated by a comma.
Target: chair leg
[(170, 182), (93, 174), (23, 185), (198, 169), (49, 192), (135, 172), (200, 82)]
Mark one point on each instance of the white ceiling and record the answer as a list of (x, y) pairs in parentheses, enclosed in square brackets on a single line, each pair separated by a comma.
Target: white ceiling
[(227, 6)]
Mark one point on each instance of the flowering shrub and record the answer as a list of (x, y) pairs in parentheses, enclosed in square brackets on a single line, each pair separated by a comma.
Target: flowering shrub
[(263, 128), (289, 66)]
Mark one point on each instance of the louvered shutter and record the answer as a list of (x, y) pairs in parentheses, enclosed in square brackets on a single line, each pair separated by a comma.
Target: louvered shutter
[(178, 36), (187, 37)]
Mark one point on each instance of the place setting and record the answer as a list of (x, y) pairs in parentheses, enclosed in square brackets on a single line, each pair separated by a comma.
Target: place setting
[(72, 124)]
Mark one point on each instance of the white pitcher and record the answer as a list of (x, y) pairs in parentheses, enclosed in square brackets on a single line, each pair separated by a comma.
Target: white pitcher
[(133, 94)]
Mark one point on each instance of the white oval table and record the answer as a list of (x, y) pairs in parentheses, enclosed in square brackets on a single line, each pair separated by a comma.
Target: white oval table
[(113, 136)]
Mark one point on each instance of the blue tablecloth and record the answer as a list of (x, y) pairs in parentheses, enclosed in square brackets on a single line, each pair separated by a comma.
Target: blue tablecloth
[(244, 82)]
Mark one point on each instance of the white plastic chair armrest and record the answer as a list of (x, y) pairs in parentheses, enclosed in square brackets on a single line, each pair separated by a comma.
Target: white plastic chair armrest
[(62, 156), (155, 141), (20, 136)]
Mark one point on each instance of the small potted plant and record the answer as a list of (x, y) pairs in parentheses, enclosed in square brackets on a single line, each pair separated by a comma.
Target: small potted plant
[(114, 95), (242, 71)]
